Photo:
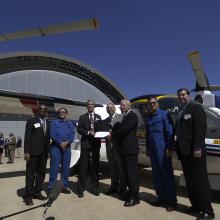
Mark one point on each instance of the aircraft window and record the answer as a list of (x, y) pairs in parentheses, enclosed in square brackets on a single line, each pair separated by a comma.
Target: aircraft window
[(169, 104), (213, 127), (217, 101), (142, 107), (143, 110), (211, 112), (133, 106)]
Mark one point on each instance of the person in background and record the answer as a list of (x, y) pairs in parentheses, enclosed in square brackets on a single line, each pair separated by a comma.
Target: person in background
[(6, 146), (190, 132), (62, 133), (18, 146), (2, 145), (36, 150), (11, 148), (159, 143)]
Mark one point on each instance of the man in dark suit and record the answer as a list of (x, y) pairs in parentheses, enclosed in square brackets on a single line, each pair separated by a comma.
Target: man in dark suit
[(89, 144), (36, 148), (112, 123), (190, 131), (126, 134)]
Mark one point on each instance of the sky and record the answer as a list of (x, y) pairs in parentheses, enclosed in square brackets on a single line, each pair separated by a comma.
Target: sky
[(142, 45)]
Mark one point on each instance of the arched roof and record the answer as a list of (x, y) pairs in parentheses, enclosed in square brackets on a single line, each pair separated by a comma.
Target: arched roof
[(17, 61)]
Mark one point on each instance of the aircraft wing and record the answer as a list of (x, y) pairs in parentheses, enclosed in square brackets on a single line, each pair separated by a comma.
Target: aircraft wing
[(82, 25)]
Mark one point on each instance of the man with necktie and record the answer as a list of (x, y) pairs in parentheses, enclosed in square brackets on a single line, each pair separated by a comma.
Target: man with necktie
[(126, 135), (190, 132), (36, 149), (112, 123), (89, 145)]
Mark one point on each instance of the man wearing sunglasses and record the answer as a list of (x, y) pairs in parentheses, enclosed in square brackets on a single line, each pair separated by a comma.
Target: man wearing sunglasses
[(36, 148), (62, 133), (159, 143)]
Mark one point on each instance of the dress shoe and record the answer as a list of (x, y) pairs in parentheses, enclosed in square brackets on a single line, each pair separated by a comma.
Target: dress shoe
[(125, 196), (111, 191), (40, 197), (95, 191), (121, 192), (191, 209), (206, 216), (65, 191), (171, 208), (28, 201), (80, 194), (158, 202), (131, 202)]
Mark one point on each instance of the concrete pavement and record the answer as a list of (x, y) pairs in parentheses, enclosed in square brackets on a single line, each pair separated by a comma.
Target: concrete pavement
[(90, 207)]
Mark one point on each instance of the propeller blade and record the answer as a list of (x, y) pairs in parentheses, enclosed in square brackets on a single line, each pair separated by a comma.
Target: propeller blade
[(201, 78), (214, 88), (82, 25)]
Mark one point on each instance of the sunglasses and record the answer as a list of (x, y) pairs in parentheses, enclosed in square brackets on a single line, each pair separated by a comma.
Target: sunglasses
[(152, 103), (61, 112)]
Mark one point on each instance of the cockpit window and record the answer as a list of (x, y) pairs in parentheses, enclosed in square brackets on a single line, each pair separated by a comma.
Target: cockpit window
[(211, 112), (169, 104), (217, 101), (142, 107)]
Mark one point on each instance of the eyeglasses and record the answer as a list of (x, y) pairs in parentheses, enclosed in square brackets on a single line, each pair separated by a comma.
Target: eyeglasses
[(43, 109), (152, 103), (62, 112)]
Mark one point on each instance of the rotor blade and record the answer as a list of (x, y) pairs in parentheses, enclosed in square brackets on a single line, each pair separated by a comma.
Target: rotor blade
[(201, 78), (89, 24), (214, 88)]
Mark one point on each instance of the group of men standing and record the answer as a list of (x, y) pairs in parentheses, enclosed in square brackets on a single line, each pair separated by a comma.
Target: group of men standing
[(44, 140), (187, 137), (122, 150)]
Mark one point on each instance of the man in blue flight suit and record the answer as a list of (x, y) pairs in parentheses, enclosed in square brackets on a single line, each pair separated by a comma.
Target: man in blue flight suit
[(159, 141), (62, 133)]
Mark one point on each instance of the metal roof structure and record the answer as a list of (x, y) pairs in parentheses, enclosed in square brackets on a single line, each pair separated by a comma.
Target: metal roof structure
[(18, 61)]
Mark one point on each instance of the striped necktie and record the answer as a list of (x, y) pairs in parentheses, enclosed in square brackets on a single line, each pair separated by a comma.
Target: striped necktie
[(91, 119)]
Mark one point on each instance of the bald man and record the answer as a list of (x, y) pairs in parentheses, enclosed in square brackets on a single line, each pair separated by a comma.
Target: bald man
[(36, 148), (117, 173)]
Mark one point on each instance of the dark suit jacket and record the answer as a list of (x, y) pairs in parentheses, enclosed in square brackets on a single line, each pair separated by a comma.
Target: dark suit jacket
[(87, 141), (190, 129), (126, 134), (35, 141), (111, 125)]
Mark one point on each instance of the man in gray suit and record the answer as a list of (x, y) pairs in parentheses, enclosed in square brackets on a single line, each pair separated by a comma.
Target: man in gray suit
[(117, 173)]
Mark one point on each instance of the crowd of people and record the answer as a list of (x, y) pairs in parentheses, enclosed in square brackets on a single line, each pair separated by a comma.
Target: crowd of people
[(52, 140), (10, 146)]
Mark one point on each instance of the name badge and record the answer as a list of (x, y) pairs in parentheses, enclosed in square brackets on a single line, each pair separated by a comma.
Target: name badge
[(187, 116), (37, 125)]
